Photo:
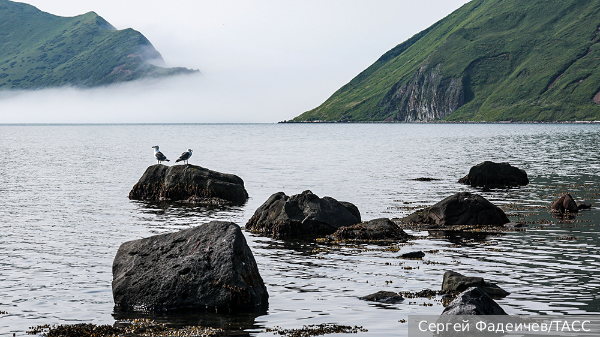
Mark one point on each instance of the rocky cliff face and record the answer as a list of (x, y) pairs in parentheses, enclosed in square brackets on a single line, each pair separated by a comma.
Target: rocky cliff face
[(427, 96)]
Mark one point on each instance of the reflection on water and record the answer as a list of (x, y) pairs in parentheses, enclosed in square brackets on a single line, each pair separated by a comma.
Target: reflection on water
[(62, 220)]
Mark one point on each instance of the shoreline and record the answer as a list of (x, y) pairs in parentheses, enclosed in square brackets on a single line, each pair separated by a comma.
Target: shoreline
[(440, 122)]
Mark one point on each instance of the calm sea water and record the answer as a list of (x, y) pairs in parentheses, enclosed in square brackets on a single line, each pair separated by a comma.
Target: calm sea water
[(64, 212)]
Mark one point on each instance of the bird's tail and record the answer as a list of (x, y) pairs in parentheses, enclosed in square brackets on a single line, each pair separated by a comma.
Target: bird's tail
[(178, 160), (167, 160)]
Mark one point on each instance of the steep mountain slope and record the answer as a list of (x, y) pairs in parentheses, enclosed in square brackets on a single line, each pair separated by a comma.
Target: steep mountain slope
[(490, 60), (39, 50)]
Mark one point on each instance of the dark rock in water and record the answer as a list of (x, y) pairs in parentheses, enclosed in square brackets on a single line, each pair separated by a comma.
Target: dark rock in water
[(473, 301), (565, 204), (490, 174), (515, 225), (455, 282), (206, 267), (384, 297), (351, 208), (462, 208), (189, 183), (377, 229), (583, 204), (413, 255), (424, 179), (301, 216)]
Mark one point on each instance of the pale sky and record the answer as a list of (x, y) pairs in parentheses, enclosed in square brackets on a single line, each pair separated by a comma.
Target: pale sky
[(262, 60)]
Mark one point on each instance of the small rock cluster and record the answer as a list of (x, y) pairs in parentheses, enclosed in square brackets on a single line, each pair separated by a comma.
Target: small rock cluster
[(211, 266)]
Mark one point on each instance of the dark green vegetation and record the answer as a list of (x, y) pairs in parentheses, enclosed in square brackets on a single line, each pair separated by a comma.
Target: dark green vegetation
[(490, 60), (39, 50)]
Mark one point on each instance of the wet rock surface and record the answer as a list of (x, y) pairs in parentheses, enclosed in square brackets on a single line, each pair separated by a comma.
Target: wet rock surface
[(515, 225), (383, 297), (455, 282), (565, 203), (583, 204), (473, 301), (189, 183), (463, 208), (206, 267), (413, 255), (424, 179), (302, 215), (490, 174), (373, 230)]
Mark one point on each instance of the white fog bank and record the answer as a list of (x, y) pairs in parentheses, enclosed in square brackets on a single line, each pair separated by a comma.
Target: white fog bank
[(262, 61)]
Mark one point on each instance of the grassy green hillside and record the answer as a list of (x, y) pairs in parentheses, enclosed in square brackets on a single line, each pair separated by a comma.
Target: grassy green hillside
[(490, 60), (39, 50)]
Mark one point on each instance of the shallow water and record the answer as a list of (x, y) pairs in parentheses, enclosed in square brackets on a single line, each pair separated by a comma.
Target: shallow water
[(64, 212)]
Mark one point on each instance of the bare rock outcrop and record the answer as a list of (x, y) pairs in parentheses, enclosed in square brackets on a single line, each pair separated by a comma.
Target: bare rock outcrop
[(189, 183), (302, 215), (382, 229), (473, 301), (462, 208), (490, 174), (383, 297), (206, 267), (455, 282), (428, 95)]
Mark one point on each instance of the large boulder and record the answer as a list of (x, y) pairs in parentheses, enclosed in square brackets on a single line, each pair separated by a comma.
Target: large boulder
[(373, 230), (463, 208), (455, 283), (206, 267), (473, 301), (189, 183), (490, 174), (301, 215)]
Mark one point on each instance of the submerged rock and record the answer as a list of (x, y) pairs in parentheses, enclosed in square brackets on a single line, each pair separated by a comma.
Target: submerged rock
[(473, 301), (424, 179), (301, 215), (383, 297), (376, 229), (583, 204), (206, 267), (463, 208), (490, 174), (455, 282), (515, 225), (189, 183)]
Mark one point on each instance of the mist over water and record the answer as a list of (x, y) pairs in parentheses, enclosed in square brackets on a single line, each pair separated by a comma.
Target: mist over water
[(261, 62), (65, 212), (197, 98)]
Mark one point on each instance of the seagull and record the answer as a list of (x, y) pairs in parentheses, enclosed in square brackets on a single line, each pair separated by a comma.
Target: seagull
[(159, 155), (185, 156)]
